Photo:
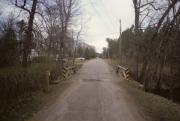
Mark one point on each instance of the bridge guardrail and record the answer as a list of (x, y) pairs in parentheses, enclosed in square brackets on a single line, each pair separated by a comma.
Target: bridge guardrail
[(67, 71), (125, 71)]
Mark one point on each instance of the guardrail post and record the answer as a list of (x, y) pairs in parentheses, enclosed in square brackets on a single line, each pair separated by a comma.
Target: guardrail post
[(64, 73)]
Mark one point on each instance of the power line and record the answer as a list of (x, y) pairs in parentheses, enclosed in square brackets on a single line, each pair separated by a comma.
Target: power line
[(109, 33), (98, 14), (107, 13)]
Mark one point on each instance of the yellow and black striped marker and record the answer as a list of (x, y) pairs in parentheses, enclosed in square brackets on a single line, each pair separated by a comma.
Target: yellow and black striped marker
[(126, 75), (65, 73)]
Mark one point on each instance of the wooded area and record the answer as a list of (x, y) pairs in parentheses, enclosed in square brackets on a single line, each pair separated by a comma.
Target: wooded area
[(35, 43), (41, 39), (150, 48)]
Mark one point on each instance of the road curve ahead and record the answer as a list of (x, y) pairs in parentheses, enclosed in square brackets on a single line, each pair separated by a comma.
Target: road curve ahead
[(93, 96)]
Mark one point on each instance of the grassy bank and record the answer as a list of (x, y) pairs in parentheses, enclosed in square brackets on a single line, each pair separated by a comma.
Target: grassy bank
[(157, 107), (23, 94), (33, 104), (18, 84)]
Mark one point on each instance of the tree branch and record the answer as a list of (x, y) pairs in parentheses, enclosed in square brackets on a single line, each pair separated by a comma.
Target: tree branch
[(163, 17), (22, 6)]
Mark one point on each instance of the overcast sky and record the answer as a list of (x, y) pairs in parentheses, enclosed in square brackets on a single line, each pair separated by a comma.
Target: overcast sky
[(101, 19)]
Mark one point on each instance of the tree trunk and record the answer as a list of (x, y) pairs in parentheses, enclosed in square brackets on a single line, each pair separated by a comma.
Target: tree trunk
[(142, 74), (28, 41), (146, 79), (171, 84), (137, 13), (171, 93)]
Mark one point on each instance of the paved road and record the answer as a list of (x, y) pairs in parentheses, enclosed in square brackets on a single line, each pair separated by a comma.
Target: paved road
[(94, 96)]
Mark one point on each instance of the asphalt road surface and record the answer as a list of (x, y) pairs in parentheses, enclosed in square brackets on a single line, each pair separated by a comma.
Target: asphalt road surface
[(94, 95)]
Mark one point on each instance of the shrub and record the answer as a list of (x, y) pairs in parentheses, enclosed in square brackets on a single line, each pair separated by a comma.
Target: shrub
[(17, 83), (41, 59)]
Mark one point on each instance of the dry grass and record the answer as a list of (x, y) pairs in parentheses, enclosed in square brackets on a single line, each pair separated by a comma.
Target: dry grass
[(35, 103), (158, 107), (37, 100)]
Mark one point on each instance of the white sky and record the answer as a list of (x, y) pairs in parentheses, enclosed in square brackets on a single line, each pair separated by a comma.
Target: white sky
[(101, 19)]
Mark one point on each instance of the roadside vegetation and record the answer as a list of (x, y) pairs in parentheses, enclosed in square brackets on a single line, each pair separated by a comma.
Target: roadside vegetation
[(159, 108), (24, 110), (150, 48)]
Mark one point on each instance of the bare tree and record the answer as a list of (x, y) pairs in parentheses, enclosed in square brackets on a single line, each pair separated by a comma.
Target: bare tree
[(0, 12), (52, 29), (159, 52), (67, 10), (154, 13), (28, 40), (138, 6)]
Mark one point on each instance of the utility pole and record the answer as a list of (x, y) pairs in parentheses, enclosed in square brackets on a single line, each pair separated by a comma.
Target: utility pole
[(120, 30), (120, 43)]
